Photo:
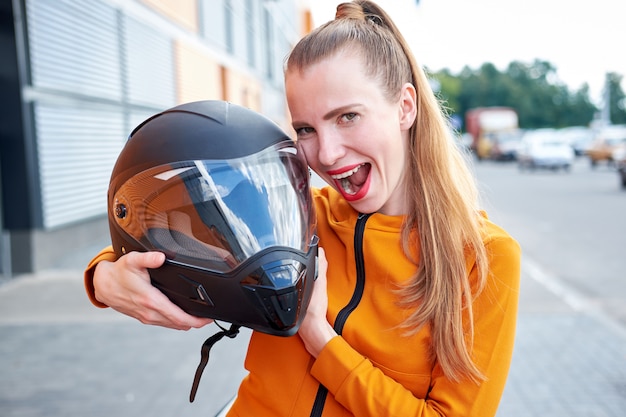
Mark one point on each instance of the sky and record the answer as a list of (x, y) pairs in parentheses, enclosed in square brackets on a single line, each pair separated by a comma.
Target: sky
[(583, 39)]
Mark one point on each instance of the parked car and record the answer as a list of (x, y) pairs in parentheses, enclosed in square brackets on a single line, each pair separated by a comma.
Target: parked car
[(505, 145), (619, 158), (605, 141), (579, 138), (544, 148)]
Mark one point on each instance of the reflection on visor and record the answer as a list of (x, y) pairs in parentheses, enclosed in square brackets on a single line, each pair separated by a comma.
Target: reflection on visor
[(217, 213)]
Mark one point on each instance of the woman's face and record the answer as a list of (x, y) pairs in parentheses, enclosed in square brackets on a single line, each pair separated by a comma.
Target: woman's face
[(351, 135)]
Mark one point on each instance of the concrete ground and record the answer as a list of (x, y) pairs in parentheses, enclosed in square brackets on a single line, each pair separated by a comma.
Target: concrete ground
[(62, 357)]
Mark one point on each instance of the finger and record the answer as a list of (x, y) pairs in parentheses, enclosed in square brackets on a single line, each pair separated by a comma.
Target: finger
[(176, 317), (322, 264), (141, 260), (154, 308)]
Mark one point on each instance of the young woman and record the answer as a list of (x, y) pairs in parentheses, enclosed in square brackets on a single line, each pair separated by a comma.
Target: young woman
[(414, 309)]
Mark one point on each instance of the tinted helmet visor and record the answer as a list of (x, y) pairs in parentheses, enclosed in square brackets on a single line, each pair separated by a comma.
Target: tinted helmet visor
[(216, 214)]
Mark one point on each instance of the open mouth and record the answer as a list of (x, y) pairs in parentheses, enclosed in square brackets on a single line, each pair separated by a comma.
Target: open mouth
[(352, 181)]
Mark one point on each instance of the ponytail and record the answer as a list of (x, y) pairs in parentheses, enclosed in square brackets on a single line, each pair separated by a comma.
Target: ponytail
[(442, 221)]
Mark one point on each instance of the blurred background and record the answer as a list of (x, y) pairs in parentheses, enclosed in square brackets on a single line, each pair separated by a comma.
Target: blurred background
[(78, 76), (534, 91)]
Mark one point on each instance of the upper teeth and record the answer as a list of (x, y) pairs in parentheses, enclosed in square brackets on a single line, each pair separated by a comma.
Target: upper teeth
[(346, 174)]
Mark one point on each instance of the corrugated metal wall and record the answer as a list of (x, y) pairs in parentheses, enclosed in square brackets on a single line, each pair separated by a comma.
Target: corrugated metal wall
[(77, 148), (96, 73), (149, 63), (76, 72), (97, 70), (74, 47)]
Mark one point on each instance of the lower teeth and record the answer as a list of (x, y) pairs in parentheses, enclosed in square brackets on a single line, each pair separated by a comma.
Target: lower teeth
[(347, 187)]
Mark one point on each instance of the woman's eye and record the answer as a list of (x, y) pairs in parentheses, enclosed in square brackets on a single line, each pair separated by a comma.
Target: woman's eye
[(348, 117), (304, 131)]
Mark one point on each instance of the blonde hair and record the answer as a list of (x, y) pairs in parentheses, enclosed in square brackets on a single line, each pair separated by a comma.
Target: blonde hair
[(441, 192)]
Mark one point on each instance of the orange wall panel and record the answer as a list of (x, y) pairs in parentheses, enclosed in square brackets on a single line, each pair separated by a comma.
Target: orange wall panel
[(198, 76), (183, 12), (242, 89), (307, 24)]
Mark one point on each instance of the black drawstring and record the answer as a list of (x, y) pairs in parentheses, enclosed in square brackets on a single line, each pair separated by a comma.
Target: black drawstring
[(344, 313), (204, 354)]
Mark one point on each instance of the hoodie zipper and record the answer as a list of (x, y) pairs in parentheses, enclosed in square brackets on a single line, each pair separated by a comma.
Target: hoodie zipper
[(342, 317)]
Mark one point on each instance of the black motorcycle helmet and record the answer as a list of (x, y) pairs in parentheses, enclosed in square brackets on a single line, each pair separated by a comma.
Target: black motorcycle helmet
[(224, 193)]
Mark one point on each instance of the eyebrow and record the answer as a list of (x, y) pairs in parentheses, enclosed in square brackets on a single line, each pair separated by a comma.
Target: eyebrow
[(339, 110), (331, 114)]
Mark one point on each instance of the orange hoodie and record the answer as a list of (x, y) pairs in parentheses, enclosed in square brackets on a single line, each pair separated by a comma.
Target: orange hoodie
[(373, 368)]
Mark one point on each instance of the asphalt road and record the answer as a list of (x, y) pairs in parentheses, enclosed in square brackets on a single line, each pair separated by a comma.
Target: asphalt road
[(571, 225)]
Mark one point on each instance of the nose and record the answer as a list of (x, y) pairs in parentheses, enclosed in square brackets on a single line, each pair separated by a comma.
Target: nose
[(330, 147)]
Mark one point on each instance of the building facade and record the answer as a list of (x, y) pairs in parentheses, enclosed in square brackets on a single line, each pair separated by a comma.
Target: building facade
[(78, 75)]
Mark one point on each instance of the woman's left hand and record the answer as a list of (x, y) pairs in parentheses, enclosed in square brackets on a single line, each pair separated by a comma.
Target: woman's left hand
[(315, 331)]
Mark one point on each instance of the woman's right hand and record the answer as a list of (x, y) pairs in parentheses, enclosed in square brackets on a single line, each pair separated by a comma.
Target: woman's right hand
[(124, 285)]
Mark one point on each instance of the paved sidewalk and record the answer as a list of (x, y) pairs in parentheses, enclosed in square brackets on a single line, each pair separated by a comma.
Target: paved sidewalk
[(61, 357), (569, 358)]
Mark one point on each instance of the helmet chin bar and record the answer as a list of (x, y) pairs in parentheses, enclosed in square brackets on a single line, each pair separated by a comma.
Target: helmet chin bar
[(279, 292), (269, 293)]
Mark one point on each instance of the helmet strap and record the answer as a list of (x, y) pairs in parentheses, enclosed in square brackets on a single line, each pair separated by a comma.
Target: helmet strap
[(204, 354)]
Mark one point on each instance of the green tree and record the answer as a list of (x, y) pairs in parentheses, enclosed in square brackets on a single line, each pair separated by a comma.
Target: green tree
[(580, 109), (452, 87), (617, 99), (533, 90)]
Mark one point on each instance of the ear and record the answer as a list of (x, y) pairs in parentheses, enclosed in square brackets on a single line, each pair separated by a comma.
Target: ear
[(408, 106)]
